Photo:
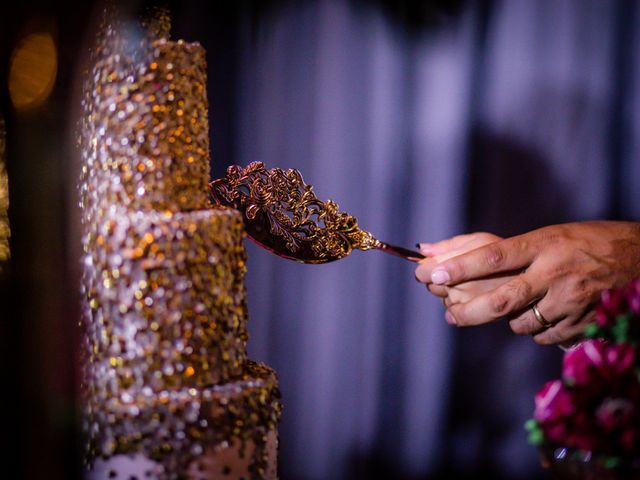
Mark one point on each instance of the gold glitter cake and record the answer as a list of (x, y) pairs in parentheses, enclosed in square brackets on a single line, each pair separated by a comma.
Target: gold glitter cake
[(169, 391)]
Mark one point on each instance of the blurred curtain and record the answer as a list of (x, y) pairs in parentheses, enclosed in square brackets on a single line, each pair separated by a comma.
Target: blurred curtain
[(363, 359), (504, 117)]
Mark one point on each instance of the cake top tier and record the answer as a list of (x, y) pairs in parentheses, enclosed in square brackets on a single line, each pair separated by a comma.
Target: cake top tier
[(146, 130)]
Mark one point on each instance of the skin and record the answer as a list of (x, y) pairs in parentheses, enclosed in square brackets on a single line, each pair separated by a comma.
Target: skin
[(561, 268)]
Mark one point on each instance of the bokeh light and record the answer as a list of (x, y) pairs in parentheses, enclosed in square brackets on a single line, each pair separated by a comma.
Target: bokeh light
[(33, 71)]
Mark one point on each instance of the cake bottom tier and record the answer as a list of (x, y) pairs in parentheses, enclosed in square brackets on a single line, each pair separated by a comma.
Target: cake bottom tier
[(226, 431), (226, 462)]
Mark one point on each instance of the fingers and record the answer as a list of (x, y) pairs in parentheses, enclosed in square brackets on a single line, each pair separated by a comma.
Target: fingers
[(565, 332), (426, 265), (440, 251), (514, 295), (565, 328), (525, 322), (513, 299), (456, 243), (424, 268), (502, 256), (438, 290), (464, 292)]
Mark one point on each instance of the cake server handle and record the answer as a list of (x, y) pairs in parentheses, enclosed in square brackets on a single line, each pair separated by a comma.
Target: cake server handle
[(400, 252)]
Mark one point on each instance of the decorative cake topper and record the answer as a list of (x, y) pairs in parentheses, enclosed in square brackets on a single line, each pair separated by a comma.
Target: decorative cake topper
[(282, 214)]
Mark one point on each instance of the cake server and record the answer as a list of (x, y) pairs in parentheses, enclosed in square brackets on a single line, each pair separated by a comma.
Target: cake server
[(282, 214)]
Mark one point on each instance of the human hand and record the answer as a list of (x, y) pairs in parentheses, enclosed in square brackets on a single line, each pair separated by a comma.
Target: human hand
[(561, 268), (438, 252)]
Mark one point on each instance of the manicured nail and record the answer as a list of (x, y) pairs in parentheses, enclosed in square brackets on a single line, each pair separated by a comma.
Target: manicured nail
[(425, 248), (451, 320), (440, 276)]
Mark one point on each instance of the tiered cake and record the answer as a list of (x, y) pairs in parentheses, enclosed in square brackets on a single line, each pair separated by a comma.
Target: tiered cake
[(169, 391)]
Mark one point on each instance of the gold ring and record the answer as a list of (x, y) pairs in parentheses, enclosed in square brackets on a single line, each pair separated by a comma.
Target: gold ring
[(539, 317)]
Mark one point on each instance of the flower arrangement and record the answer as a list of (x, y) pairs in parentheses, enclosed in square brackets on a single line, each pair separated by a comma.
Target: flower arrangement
[(593, 410)]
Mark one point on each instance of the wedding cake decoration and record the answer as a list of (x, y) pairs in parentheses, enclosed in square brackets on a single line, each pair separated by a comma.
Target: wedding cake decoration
[(168, 389)]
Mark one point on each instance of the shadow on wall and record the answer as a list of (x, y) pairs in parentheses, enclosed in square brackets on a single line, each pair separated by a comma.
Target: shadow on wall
[(516, 162), (511, 189)]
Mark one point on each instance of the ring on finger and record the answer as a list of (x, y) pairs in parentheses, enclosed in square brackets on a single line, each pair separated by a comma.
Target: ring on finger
[(540, 318)]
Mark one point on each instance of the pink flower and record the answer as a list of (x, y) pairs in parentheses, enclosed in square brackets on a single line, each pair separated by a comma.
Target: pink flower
[(614, 412), (553, 402), (620, 359), (595, 405), (579, 363), (603, 318), (558, 432), (595, 361), (612, 301), (629, 439), (632, 294)]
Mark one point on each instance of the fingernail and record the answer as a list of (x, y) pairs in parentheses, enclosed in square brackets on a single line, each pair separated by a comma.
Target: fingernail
[(440, 276), (425, 248), (451, 320)]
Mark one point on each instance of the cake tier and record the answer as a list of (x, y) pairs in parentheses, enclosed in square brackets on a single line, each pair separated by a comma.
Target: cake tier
[(166, 301), (221, 431), (146, 133), (226, 462)]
